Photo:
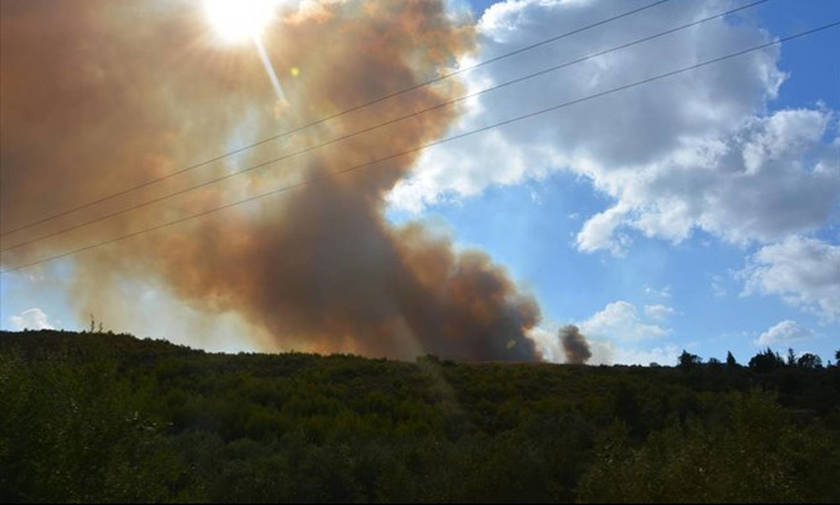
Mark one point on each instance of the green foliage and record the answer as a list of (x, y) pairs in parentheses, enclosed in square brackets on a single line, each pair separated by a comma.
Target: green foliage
[(767, 361), (687, 360), (757, 454), (809, 360), (730, 360), (791, 358), (104, 417)]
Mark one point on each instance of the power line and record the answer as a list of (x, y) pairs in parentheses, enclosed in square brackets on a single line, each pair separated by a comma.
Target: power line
[(333, 116), (377, 126), (432, 144)]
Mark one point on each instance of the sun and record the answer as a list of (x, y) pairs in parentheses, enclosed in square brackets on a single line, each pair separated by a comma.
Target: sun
[(238, 21)]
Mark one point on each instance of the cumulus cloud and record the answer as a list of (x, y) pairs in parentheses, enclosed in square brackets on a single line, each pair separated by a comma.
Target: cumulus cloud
[(603, 349), (620, 320), (618, 334), (32, 319), (783, 333), (696, 151), (612, 353), (805, 272)]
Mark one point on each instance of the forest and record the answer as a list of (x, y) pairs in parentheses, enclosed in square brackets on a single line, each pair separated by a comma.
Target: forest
[(107, 417)]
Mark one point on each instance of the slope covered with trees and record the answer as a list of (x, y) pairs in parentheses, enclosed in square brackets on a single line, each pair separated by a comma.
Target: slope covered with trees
[(105, 417)]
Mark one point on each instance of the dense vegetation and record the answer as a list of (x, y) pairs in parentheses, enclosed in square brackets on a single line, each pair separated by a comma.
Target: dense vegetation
[(104, 417)]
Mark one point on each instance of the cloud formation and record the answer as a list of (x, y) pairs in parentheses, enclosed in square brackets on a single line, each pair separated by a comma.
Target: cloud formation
[(696, 151), (612, 353), (783, 333), (617, 334), (620, 320), (31, 319), (805, 272)]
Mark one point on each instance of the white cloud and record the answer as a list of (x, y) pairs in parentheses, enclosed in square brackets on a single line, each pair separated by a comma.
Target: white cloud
[(604, 350), (695, 151), (620, 321), (783, 333), (33, 319), (805, 272), (659, 312), (599, 232), (663, 355)]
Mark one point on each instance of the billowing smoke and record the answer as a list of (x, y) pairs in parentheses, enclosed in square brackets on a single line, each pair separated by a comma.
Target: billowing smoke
[(101, 95), (574, 345)]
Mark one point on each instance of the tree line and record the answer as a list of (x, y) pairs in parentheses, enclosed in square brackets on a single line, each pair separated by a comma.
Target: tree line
[(108, 417)]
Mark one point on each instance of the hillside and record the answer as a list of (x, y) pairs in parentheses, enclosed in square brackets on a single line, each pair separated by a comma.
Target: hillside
[(107, 417)]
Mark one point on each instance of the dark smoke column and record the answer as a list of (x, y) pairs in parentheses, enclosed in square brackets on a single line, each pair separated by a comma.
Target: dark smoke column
[(574, 345)]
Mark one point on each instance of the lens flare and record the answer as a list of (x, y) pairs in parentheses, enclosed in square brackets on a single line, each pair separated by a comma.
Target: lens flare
[(239, 21)]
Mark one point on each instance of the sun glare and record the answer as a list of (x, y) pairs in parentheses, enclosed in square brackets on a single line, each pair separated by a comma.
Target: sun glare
[(238, 21)]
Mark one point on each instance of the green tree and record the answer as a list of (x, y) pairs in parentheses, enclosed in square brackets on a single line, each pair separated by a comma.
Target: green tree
[(766, 361), (809, 360), (752, 453), (730, 360), (688, 360), (791, 357)]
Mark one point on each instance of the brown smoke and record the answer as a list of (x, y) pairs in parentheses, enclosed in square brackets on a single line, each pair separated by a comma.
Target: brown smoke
[(574, 345), (101, 95)]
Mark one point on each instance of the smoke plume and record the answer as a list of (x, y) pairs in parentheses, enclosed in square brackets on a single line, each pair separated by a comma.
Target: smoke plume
[(103, 95), (574, 345)]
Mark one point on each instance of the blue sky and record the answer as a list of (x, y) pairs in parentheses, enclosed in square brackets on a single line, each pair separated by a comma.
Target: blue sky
[(650, 284)]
